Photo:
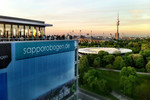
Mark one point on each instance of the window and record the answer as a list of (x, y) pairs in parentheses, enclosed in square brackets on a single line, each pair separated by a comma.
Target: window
[(37, 31), (15, 30), (31, 31), (42, 29), (7, 31), (76, 69), (76, 54), (34, 32), (1, 30), (27, 31), (21, 30)]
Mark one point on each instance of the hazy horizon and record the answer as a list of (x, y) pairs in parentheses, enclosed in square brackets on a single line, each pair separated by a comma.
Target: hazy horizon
[(86, 15)]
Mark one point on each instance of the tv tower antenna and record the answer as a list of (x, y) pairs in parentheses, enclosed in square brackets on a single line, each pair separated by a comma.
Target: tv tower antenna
[(117, 33)]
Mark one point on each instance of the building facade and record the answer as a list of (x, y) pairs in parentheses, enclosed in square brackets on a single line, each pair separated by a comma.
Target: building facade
[(39, 70), (21, 28), (36, 70)]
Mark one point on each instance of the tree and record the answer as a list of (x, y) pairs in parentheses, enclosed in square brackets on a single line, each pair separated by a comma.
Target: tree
[(140, 63), (101, 54), (135, 57), (116, 63), (148, 67), (144, 46), (128, 80), (109, 66), (103, 87), (142, 92), (91, 58), (83, 64), (148, 58), (126, 71), (127, 54), (122, 64), (128, 60), (146, 53), (131, 84), (97, 62), (117, 53), (134, 46), (94, 79), (108, 59), (83, 67)]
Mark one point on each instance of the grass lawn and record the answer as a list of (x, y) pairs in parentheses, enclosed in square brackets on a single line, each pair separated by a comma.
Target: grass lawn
[(111, 97), (113, 78), (144, 78), (143, 90)]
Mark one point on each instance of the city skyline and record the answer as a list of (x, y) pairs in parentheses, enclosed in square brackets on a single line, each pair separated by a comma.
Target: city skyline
[(86, 15)]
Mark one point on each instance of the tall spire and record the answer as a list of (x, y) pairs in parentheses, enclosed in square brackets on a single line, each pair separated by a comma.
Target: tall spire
[(118, 18), (117, 33)]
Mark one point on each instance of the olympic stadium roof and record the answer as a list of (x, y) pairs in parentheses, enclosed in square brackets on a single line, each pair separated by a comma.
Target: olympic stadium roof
[(107, 49)]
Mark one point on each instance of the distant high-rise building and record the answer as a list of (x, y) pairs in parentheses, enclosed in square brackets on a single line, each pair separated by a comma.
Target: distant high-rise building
[(117, 33)]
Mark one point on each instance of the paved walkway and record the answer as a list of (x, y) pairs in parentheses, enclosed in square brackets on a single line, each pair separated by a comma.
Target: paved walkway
[(143, 73), (120, 96), (86, 95)]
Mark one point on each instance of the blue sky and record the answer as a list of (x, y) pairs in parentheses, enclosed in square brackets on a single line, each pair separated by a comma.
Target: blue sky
[(86, 15)]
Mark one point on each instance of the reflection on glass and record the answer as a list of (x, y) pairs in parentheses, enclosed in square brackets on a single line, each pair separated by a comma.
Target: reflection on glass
[(34, 33), (42, 31), (27, 31), (15, 30), (21, 30), (1, 30), (31, 32), (7, 31), (37, 31)]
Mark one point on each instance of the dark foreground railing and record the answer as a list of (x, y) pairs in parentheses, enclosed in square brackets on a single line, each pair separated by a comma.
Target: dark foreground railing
[(27, 39), (19, 39)]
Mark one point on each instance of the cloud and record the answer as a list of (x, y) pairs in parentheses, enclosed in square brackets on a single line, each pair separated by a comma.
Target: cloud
[(137, 11)]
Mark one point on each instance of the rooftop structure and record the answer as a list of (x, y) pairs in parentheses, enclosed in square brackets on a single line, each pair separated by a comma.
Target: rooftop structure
[(109, 50), (13, 27)]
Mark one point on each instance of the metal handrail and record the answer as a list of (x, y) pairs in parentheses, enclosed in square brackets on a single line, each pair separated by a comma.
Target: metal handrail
[(28, 39), (20, 39)]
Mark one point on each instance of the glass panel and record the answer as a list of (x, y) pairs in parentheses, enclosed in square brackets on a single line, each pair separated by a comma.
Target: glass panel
[(21, 30), (7, 31), (27, 31), (76, 70), (37, 31), (31, 31), (76, 52), (34, 32), (1, 30), (15, 30), (42, 29)]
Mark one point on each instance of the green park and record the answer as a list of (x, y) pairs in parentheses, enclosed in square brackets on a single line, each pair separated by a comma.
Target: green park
[(127, 74)]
